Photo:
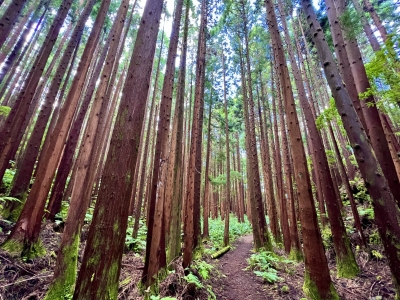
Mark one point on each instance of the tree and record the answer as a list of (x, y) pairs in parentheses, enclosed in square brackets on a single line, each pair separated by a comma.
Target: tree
[(85, 167), (317, 282), (24, 236), (345, 260), (155, 246), (9, 17), (98, 278), (192, 197), (387, 212)]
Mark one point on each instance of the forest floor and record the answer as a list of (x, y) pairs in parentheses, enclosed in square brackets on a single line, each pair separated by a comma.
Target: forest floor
[(231, 279), (237, 281)]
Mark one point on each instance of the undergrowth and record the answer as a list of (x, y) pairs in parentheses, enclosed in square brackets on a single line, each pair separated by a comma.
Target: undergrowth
[(236, 229), (266, 264)]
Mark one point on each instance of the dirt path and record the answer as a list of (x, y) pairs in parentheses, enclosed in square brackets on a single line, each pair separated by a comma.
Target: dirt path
[(238, 283)]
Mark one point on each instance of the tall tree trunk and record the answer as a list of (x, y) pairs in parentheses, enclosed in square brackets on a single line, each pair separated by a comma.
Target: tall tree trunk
[(253, 156), (192, 197), (345, 260), (155, 246), (317, 279), (85, 167), (377, 20), (267, 167), (207, 194), (18, 113), (370, 111), (98, 278), (10, 16), (12, 80), (22, 180), (67, 160), (149, 136), (228, 167), (367, 28), (387, 212), (241, 187), (26, 230), (357, 222), (17, 45), (287, 178), (174, 239)]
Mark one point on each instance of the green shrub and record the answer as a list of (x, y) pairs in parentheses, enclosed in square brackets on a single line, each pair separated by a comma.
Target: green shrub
[(4, 111), (265, 264), (136, 244), (236, 229)]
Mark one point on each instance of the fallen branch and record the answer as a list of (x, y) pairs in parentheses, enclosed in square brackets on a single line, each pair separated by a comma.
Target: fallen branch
[(220, 252)]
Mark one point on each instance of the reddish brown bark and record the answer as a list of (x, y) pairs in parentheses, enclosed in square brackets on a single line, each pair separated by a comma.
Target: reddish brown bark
[(267, 167), (23, 176), (28, 225), (98, 279), (192, 198), (18, 114), (155, 247), (367, 28), (207, 194), (316, 267), (67, 160), (9, 18), (374, 126), (368, 6), (287, 178), (387, 212)]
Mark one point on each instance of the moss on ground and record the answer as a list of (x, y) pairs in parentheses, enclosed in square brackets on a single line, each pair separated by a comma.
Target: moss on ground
[(12, 215), (13, 247), (26, 251)]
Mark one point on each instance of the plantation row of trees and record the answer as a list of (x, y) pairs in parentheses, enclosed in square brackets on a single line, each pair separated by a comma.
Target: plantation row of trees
[(266, 109)]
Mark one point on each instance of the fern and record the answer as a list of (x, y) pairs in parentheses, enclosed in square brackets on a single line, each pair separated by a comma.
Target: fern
[(191, 278), (271, 275)]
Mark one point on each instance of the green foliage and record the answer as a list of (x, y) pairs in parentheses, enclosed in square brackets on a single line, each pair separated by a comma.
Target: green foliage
[(360, 191), (329, 114), (383, 72), (62, 215), (154, 297), (331, 156), (377, 254), (8, 178), (89, 215), (9, 217), (270, 275), (366, 212), (4, 111), (191, 278), (327, 239), (203, 268), (137, 244), (236, 229), (350, 21), (374, 238), (264, 265), (285, 289)]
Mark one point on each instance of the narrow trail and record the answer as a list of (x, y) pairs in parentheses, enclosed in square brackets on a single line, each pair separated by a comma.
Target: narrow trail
[(238, 283)]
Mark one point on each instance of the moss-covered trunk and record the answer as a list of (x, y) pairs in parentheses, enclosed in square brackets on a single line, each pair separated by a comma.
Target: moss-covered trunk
[(98, 278), (387, 212)]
